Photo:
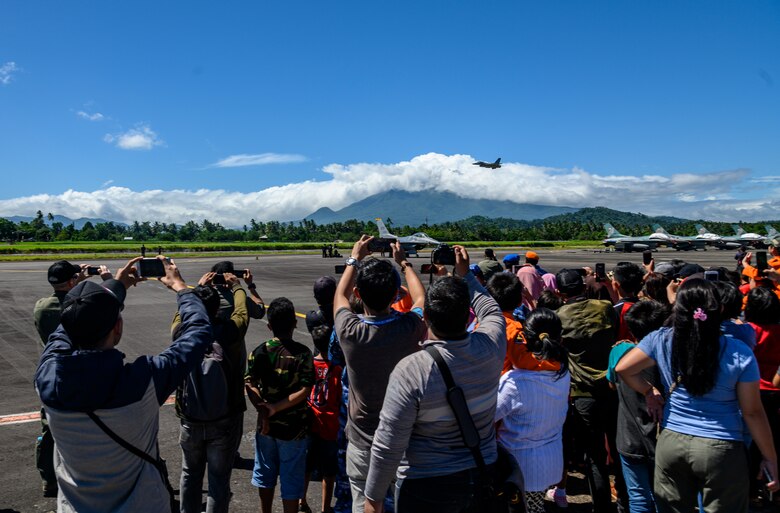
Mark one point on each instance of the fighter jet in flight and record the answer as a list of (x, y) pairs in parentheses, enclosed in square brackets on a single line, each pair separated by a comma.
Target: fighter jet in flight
[(411, 243), (491, 165)]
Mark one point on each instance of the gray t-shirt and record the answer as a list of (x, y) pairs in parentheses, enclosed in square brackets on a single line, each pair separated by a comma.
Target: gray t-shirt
[(372, 347)]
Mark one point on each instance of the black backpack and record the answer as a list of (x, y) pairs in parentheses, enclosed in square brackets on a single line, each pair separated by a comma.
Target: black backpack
[(203, 396)]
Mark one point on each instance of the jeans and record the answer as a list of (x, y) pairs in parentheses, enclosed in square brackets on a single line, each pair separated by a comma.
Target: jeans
[(215, 444), (638, 473)]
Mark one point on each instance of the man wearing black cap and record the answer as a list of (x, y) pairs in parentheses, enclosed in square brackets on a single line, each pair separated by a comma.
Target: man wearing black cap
[(324, 290), (589, 330), (83, 382), (62, 276)]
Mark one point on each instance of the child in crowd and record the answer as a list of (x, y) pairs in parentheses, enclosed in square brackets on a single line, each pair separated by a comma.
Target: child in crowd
[(324, 402), (636, 433), (280, 376)]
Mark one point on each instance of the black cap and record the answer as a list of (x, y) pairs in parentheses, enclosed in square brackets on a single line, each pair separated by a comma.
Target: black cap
[(689, 270), (325, 290), (569, 281), (62, 271), (90, 310)]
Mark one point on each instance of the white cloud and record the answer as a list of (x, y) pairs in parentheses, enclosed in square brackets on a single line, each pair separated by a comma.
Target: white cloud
[(706, 195), (261, 159), (97, 116), (7, 71), (142, 137)]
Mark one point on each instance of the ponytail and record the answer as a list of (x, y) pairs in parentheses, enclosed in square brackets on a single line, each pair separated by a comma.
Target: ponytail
[(542, 331)]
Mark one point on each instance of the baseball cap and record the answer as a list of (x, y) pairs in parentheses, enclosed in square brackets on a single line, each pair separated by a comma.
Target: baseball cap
[(324, 290), (532, 255), (476, 271), (666, 269), (62, 271), (90, 310), (569, 280), (511, 259), (689, 270)]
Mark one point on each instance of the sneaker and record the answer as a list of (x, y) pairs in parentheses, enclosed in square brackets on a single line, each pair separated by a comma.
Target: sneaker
[(558, 496)]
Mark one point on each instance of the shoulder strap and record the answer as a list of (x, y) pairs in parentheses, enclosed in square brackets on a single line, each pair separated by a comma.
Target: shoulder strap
[(457, 401), (157, 462)]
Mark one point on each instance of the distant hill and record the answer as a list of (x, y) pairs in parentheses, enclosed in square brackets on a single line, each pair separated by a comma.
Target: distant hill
[(601, 215), (78, 223), (426, 207)]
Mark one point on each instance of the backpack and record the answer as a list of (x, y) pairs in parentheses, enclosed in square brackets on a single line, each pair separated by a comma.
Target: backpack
[(203, 396)]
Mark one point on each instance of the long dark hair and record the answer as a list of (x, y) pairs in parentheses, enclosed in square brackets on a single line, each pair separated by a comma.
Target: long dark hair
[(542, 330), (696, 337)]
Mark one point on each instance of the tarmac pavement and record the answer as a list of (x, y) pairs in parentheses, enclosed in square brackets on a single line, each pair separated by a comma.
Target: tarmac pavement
[(149, 309)]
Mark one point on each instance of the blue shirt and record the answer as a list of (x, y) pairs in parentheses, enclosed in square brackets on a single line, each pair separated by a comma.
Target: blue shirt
[(743, 332), (715, 414)]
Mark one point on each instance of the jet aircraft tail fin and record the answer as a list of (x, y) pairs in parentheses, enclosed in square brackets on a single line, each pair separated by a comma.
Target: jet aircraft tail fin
[(701, 230), (657, 228), (383, 233), (738, 230), (611, 231)]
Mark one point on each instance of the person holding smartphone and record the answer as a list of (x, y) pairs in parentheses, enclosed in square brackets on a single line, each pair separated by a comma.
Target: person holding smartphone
[(755, 273)]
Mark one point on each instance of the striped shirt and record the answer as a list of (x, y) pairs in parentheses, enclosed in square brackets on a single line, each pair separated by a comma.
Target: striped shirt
[(417, 427)]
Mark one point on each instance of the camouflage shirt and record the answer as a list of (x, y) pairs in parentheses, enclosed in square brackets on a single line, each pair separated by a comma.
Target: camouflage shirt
[(278, 369)]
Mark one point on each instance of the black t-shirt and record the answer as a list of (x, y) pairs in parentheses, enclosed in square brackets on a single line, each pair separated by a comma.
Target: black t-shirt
[(636, 430)]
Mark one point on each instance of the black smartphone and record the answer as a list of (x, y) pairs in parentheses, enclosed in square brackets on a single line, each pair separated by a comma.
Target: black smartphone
[(601, 271), (241, 273), (150, 268), (427, 269), (379, 245), (340, 269), (647, 256), (711, 275), (93, 270), (218, 279), (443, 255), (761, 264)]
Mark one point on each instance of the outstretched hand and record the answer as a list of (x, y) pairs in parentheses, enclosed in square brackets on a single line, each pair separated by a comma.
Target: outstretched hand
[(461, 260), (128, 275), (172, 278), (360, 249)]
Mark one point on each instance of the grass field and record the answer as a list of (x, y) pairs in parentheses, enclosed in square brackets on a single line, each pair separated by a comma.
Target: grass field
[(26, 251)]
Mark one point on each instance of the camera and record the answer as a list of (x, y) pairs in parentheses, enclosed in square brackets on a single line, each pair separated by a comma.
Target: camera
[(93, 270), (443, 255)]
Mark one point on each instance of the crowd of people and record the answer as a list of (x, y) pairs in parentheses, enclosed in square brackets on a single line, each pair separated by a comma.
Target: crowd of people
[(479, 392)]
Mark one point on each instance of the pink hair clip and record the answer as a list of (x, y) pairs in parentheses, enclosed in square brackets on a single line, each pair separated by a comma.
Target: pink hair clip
[(699, 315)]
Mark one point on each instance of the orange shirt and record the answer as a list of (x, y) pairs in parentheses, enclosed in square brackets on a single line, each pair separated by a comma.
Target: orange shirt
[(517, 354)]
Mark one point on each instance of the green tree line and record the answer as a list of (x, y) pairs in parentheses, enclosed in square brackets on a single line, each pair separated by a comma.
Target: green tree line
[(586, 224)]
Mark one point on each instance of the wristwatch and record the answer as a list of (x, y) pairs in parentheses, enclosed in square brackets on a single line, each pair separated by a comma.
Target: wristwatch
[(252, 286), (352, 261), (405, 266)]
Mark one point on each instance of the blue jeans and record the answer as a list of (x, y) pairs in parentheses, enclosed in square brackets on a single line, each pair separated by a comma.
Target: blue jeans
[(638, 473), (215, 444)]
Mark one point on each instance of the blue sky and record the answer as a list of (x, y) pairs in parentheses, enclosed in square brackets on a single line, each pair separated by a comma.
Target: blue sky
[(110, 101)]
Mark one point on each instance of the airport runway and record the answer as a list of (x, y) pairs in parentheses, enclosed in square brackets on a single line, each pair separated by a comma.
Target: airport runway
[(148, 312)]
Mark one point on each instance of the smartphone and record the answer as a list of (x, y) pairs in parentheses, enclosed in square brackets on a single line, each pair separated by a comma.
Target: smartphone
[(601, 271), (427, 269), (340, 269), (711, 275), (93, 270), (647, 256), (240, 273), (150, 268), (443, 255), (379, 245), (761, 264)]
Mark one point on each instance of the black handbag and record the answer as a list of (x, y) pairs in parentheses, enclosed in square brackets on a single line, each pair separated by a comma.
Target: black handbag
[(158, 462), (501, 490)]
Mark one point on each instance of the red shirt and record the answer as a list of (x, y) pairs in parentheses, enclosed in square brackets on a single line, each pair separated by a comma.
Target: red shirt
[(767, 352), (325, 399)]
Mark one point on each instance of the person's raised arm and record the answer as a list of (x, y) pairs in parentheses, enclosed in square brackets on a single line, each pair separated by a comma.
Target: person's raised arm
[(256, 305), (240, 315), (485, 307), (416, 288), (171, 366), (754, 415), (347, 281)]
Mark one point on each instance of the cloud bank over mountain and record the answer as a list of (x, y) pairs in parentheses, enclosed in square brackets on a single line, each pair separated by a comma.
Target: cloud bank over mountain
[(715, 195)]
